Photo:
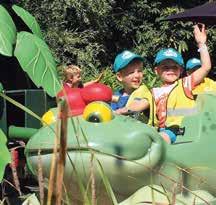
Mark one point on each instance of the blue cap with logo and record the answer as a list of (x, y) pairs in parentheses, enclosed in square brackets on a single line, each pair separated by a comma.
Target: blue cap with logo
[(123, 59), (193, 63), (169, 53)]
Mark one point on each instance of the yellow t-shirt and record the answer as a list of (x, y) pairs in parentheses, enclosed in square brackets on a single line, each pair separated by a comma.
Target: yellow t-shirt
[(140, 93), (207, 85)]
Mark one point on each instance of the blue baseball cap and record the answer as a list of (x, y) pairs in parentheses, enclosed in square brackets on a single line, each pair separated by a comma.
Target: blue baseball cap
[(123, 59), (193, 63), (169, 53)]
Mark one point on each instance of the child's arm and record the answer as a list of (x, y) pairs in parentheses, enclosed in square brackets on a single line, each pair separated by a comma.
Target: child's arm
[(135, 106), (202, 72), (94, 81), (138, 105), (138, 101)]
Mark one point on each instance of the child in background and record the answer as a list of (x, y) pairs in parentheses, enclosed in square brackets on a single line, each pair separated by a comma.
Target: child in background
[(192, 64), (77, 94), (174, 99), (72, 77), (128, 68), (207, 85)]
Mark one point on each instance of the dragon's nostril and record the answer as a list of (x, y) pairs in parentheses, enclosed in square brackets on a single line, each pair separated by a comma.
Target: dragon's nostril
[(118, 150)]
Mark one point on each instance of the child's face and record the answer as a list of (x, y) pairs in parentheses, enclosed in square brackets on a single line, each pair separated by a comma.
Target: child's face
[(76, 79), (131, 76), (169, 72)]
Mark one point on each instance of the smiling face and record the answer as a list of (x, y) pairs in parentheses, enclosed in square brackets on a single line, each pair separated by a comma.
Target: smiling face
[(131, 76), (169, 71)]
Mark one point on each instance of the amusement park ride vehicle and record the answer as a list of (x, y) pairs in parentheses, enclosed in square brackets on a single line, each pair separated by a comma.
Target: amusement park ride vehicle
[(129, 159)]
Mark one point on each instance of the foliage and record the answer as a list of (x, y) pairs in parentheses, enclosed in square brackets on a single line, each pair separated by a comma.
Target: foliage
[(110, 79), (90, 33), (37, 61), (28, 19), (5, 154), (31, 51), (7, 33)]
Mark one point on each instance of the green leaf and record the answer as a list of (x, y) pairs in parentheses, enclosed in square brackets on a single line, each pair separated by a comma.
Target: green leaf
[(7, 33), (36, 59), (28, 19), (4, 153)]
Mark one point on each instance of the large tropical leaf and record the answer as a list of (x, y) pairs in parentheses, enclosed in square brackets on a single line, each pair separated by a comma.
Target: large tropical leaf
[(28, 19), (4, 153), (36, 59), (7, 33)]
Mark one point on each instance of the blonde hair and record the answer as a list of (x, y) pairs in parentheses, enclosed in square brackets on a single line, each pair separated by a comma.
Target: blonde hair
[(70, 71)]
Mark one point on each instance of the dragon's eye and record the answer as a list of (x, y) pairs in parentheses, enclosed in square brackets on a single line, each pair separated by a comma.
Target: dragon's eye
[(97, 112)]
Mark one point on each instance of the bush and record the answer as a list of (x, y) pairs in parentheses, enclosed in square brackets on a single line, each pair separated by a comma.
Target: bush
[(91, 33)]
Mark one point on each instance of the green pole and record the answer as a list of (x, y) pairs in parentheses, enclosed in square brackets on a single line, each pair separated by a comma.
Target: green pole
[(21, 132)]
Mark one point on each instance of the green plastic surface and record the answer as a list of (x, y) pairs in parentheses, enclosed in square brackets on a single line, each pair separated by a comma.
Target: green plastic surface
[(186, 168), (20, 132)]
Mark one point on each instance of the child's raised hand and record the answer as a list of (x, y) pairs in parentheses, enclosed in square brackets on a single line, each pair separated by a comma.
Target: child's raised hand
[(200, 34)]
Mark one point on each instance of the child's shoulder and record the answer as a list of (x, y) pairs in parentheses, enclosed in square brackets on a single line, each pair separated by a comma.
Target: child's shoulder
[(142, 88), (141, 92)]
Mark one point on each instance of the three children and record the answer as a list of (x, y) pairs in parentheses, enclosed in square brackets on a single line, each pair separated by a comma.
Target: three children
[(174, 99), (168, 103)]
